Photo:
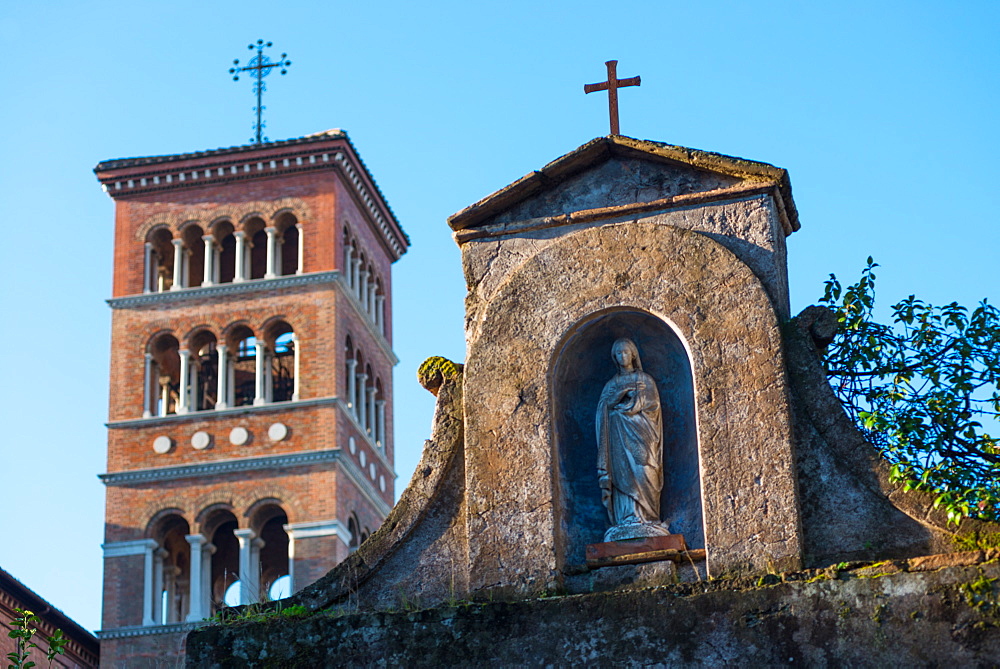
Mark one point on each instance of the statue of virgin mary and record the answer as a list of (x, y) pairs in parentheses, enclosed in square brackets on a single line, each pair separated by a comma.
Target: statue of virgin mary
[(630, 448)]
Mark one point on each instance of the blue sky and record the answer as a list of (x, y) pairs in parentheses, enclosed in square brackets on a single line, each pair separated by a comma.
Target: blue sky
[(884, 114)]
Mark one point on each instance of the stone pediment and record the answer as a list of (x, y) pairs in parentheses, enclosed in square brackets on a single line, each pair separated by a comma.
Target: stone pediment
[(618, 172)]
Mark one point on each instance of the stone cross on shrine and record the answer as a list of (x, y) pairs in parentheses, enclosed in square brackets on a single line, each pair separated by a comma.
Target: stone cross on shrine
[(611, 86)]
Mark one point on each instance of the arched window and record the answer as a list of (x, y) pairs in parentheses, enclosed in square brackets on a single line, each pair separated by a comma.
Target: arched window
[(349, 364), (225, 242), (354, 529), (243, 375), (163, 366), (221, 558), (159, 267), (379, 414), (282, 359), (204, 371), (380, 307), (274, 563), (288, 245), (360, 381), (194, 256), (368, 404), (347, 252), (256, 248), (171, 572)]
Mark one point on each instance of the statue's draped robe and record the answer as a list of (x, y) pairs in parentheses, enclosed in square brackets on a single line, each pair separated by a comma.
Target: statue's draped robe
[(630, 447)]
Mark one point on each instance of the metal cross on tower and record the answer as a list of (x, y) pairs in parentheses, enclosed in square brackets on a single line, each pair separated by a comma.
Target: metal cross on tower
[(261, 66), (611, 86)]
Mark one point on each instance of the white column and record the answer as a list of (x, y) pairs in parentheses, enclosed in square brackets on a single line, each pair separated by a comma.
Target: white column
[(371, 300), (178, 264), (194, 368), (165, 396), (158, 557), (370, 406), (272, 253), (195, 597), (361, 411), (248, 567), (347, 261), (147, 583), (355, 269), (291, 558), (259, 361), (149, 278), (362, 291), (209, 276), (296, 344), (148, 395), (182, 391), (352, 387), (186, 268), (241, 256), (380, 423), (380, 313), (301, 254), (222, 390), (207, 551)]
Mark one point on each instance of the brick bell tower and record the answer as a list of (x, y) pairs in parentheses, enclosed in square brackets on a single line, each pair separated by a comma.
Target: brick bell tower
[(250, 430)]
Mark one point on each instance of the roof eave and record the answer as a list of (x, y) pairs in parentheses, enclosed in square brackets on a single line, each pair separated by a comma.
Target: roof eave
[(601, 148)]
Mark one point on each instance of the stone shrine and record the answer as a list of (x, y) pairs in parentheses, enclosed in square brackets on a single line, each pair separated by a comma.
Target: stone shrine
[(681, 253)]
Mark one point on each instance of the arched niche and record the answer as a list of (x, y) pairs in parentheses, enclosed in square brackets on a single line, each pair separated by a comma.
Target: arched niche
[(582, 367)]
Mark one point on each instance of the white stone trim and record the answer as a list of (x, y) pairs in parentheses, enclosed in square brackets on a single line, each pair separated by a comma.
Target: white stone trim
[(318, 528), (135, 630), (123, 548)]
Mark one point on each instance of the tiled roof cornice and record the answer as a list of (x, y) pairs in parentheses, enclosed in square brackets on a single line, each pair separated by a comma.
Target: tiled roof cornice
[(333, 149)]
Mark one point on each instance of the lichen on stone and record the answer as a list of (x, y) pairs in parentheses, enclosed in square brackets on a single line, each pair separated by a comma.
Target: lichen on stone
[(435, 369)]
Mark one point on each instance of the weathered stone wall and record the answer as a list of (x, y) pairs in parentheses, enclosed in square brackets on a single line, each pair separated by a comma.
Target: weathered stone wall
[(850, 510), (861, 619)]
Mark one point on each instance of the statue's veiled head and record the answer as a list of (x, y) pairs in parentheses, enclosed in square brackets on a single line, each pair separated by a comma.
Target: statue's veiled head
[(626, 355)]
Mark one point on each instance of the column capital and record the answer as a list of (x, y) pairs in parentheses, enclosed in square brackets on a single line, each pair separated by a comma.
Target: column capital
[(244, 534), (196, 540), (239, 234), (177, 242), (208, 239), (271, 230), (183, 352)]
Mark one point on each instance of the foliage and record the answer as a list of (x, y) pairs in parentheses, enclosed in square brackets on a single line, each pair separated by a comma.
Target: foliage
[(23, 630), (922, 389)]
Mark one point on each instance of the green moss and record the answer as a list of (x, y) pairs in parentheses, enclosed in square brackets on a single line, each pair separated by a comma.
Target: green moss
[(434, 370), (981, 595), (973, 541)]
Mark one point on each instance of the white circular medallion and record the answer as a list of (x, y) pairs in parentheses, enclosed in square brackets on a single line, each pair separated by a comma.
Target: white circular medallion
[(201, 440), (371, 470), (239, 436), (364, 459), (381, 483), (351, 444), (163, 444), (277, 432)]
